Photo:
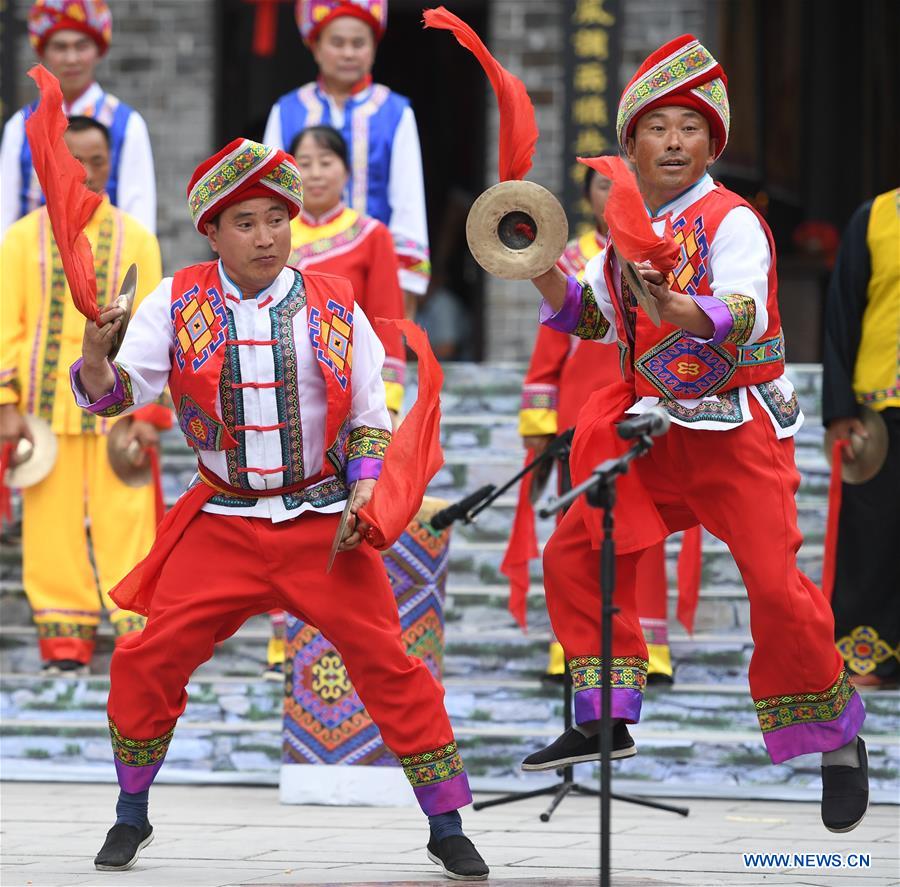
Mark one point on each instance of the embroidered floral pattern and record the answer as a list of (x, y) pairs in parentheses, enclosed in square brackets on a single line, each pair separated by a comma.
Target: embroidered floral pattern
[(127, 400), (626, 673), (434, 766), (202, 431), (139, 752), (224, 177), (367, 442), (764, 351), (786, 412), (286, 179), (804, 708), (743, 316), (678, 367), (52, 630), (326, 493), (592, 324), (540, 397), (863, 650), (129, 624), (725, 407), (715, 94)]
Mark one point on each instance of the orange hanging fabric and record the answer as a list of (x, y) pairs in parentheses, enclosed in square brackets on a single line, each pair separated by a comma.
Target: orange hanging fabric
[(835, 489), (690, 568), (69, 203), (518, 128), (629, 224), (522, 548), (414, 455)]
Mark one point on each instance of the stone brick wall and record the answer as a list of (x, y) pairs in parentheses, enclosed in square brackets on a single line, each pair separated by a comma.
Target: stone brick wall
[(161, 62), (527, 37)]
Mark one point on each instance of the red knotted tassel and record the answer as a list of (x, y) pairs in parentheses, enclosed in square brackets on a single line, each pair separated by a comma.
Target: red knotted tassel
[(6, 456), (522, 548), (690, 568)]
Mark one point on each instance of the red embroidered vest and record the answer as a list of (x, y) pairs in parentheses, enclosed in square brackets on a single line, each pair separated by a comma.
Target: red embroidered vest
[(663, 361), (201, 335)]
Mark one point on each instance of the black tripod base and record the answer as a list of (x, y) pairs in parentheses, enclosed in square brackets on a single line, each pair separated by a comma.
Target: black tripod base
[(562, 789)]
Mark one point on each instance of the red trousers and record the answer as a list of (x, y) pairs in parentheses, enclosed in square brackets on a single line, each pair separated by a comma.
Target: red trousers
[(226, 569), (740, 485)]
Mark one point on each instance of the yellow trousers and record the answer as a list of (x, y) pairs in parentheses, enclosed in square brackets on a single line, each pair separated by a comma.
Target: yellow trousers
[(65, 589)]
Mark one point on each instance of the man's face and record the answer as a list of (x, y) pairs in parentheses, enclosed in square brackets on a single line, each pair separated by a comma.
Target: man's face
[(670, 150), (253, 239), (90, 149), (71, 56), (345, 51)]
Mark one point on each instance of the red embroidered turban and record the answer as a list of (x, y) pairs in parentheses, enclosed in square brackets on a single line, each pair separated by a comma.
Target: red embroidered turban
[(681, 73), (243, 170), (91, 17), (313, 15)]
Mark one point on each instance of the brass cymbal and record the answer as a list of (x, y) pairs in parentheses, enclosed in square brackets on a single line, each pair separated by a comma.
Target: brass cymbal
[(125, 300), (32, 462), (868, 453), (129, 463), (517, 230)]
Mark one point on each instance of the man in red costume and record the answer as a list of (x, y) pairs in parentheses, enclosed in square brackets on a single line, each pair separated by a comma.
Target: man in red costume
[(716, 364), (276, 378)]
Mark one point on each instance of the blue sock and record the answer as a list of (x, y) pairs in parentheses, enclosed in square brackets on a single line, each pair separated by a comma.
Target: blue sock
[(445, 824), (132, 809)]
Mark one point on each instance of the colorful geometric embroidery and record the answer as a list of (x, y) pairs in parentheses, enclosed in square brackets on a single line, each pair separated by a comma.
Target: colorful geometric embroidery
[(326, 493), (336, 454), (127, 400), (688, 277), (765, 351), (51, 630), (540, 397), (225, 177), (138, 752), (332, 339), (434, 766), (777, 712), (591, 324), (50, 363), (863, 650), (689, 62), (725, 408), (203, 432), (743, 317), (715, 94), (9, 379), (681, 368), (367, 442), (626, 673), (200, 321), (325, 721), (883, 394), (785, 412), (129, 624), (286, 179), (394, 371)]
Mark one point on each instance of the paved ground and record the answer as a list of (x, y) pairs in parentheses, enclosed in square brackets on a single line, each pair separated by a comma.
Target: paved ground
[(229, 836)]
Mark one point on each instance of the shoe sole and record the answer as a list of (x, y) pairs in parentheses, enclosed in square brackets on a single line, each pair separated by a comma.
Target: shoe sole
[(849, 828), (123, 868), (616, 755), (438, 861)]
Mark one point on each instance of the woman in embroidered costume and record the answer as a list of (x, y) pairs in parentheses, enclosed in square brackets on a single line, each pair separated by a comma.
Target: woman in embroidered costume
[(716, 365), (276, 377), (39, 332), (378, 125), (563, 372), (70, 37)]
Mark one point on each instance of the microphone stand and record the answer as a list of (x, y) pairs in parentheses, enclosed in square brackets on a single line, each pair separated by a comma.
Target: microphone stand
[(600, 491)]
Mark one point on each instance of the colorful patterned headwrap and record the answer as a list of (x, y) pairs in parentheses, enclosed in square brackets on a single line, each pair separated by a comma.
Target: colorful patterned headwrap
[(313, 15), (243, 170), (91, 17), (681, 73)]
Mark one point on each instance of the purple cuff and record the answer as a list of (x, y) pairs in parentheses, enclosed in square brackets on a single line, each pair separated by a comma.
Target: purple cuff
[(717, 311), (566, 319), (626, 703), (136, 779), (110, 399), (442, 797), (803, 739), (363, 468)]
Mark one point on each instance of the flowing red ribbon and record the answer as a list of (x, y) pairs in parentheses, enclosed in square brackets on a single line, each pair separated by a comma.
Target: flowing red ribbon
[(518, 127), (414, 456), (6, 455), (835, 488), (522, 548), (629, 224), (69, 203), (690, 568), (159, 502)]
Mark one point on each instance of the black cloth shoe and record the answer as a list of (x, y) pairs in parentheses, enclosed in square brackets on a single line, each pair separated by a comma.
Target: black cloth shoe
[(70, 667), (573, 748), (122, 847), (458, 858), (845, 793)]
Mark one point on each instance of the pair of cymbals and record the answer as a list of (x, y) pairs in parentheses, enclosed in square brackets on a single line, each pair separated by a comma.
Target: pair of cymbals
[(869, 453)]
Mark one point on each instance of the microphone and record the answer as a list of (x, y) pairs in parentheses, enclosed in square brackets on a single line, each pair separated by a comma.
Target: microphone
[(442, 519), (654, 422)]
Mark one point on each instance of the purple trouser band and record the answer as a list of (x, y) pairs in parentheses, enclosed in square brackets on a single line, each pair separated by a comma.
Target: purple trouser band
[(804, 739), (136, 779), (363, 468), (442, 797), (626, 703), (110, 399), (566, 319)]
